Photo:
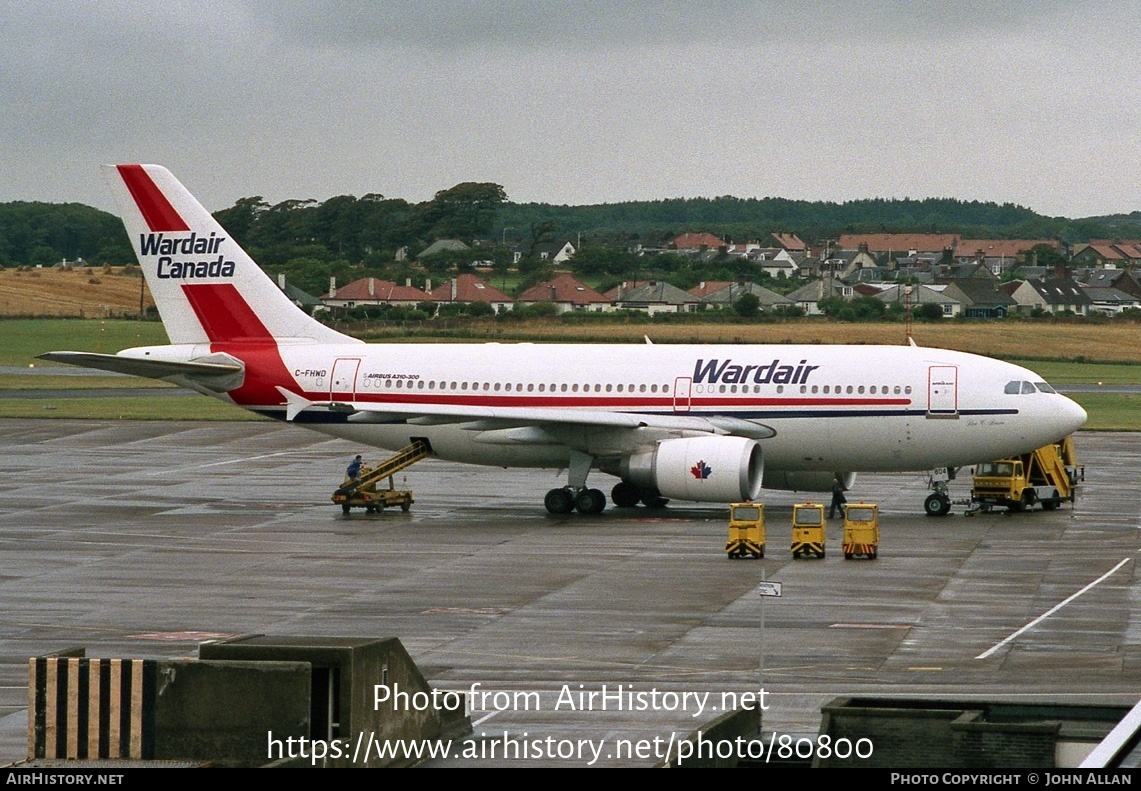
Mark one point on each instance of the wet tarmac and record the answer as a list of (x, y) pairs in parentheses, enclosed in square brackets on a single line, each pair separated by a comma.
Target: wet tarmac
[(140, 539)]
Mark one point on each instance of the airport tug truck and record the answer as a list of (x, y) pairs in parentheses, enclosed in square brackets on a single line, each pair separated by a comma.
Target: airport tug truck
[(362, 491), (746, 530), (861, 530), (808, 530), (1048, 476)]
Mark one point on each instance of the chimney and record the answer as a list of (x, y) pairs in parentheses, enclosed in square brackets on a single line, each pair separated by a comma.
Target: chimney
[(428, 285), (332, 287), (408, 282), (372, 287), (1060, 272), (281, 280), (453, 289)]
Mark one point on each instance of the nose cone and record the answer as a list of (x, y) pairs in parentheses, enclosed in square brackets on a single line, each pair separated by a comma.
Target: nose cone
[(1070, 416)]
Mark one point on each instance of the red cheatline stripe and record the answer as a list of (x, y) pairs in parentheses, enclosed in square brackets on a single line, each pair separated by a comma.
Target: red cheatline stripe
[(156, 209), (224, 314)]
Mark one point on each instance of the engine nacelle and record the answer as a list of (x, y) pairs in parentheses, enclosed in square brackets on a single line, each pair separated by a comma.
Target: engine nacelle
[(806, 481), (703, 469)]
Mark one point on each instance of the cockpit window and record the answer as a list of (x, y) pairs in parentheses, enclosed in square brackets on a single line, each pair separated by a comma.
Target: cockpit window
[(1045, 388), (1012, 388), (1028, 387)]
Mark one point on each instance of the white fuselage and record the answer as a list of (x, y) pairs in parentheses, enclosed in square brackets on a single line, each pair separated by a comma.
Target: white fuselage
[(820, 408)]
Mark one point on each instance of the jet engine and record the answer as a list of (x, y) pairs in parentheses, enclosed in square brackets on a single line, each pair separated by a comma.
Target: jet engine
[(703, 469), (806, 480)]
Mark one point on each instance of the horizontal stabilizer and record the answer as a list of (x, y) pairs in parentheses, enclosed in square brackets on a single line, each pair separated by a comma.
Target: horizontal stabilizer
[(152, 369)]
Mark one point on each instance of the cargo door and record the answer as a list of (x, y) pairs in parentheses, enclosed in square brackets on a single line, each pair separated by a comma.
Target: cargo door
[(943, 391), (343, 382)]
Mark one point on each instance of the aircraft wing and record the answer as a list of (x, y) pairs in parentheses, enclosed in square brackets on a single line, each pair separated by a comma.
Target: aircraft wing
[(490, 417)]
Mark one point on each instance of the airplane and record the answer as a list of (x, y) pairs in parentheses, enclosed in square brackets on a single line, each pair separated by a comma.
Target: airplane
[(702, 423)]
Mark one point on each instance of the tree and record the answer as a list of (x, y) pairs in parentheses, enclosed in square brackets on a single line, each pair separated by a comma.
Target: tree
[(747, 305)]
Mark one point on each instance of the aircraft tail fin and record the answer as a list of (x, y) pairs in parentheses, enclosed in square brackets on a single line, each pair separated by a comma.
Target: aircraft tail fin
[(206, 287)]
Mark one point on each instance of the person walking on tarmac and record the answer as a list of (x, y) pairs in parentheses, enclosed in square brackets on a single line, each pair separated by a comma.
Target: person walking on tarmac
[(354, 469), (838, 498)]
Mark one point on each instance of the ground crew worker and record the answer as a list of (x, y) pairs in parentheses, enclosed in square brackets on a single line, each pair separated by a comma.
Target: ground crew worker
[(838, 498), (354, 469)]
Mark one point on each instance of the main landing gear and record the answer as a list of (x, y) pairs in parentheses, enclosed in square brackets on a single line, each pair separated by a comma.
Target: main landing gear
[(566, 499), (575, 496), (593, 501)]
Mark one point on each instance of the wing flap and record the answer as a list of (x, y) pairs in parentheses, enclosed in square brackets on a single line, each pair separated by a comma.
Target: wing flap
[(500, 416)]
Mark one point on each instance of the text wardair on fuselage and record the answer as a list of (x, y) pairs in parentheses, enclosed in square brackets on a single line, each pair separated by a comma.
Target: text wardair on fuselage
[(728, 372), (165, 247)]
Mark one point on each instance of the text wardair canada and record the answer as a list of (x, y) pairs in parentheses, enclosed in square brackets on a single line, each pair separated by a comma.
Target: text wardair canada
[(151, 244)]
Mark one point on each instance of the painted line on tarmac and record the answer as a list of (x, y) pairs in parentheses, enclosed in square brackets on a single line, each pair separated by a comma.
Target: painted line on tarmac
[(1053, 610)]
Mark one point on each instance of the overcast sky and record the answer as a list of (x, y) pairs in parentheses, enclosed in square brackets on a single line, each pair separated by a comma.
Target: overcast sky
[(578, 101)]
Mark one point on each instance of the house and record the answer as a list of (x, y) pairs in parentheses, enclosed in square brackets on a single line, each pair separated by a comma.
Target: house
[(1124, 280), (915, 295), (1000, 254), (693, 242), (981, 298), (1110, 301), (1052, 296), (790, 242), (900, 243), (373, 291), (468, 288), (809, 295), (655, 296), (707, 287), (729, 293), (442, 246), (567, 293), (554, 252)]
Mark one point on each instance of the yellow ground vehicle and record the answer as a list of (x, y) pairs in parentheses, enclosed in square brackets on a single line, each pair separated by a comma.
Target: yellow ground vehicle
[(1048, 475), (808, 525), (362, 491), (746, 530), (861, 530)]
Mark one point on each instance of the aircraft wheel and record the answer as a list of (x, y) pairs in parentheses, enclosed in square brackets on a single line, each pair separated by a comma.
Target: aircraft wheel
[(652, 498), (937, 505), (625, 495), (559, 501), (590, 501)]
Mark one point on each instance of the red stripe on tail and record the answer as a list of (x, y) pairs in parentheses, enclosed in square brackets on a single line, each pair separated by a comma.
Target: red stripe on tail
[(233, 327), (224, 314), (156, 209)]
